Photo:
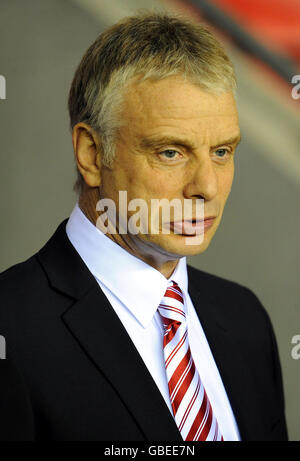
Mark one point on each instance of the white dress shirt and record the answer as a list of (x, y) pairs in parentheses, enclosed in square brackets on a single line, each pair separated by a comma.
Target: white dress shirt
[(134, 289)]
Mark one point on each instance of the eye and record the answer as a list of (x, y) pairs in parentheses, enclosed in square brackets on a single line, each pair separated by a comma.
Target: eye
[(169, 154), (222, 152)]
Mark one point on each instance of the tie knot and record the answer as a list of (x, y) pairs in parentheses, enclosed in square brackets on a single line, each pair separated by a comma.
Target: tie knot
[(171, 307)]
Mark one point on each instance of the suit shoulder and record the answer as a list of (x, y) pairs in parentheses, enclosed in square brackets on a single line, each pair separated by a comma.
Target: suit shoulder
[(216, 282), (15, 279), (241, 299)]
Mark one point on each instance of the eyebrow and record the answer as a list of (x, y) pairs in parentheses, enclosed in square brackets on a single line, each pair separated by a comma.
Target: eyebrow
[(150, 143), (233, 140)]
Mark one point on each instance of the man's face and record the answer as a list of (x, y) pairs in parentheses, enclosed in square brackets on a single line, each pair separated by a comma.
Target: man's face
[(176, 142)]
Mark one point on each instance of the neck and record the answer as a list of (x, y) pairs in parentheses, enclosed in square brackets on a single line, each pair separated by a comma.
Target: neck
[(87, 203)]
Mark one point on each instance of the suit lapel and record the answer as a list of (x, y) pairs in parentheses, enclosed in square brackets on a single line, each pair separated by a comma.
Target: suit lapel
[(94, 324), (227, 348)]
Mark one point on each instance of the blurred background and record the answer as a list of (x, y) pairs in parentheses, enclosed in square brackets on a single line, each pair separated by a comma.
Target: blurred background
[(42, 42)]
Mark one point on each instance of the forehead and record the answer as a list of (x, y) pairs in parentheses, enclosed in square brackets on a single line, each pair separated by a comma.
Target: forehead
[(175, 103)]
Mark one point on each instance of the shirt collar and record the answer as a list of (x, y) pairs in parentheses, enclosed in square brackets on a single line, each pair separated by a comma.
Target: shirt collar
[(137, 285)]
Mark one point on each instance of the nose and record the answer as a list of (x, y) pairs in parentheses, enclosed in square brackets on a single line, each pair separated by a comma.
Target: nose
[(203, 182)]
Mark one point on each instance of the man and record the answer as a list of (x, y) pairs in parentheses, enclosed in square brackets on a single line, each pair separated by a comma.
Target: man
[(115, 337)]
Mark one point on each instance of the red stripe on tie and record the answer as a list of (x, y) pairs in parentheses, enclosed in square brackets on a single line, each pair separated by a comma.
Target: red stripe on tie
[(179, 371), (173, 330), (184, 387), (197, 421), (172, 309), (174, 295), (175, 350), (190, 406), (207, 426), (185, 379)]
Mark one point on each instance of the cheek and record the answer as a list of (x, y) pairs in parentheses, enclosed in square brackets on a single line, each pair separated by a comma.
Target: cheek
[(165, 185), (225, 182), (155, 183)]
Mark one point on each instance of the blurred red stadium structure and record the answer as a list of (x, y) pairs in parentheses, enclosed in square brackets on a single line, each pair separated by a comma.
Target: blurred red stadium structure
[(276, 22)]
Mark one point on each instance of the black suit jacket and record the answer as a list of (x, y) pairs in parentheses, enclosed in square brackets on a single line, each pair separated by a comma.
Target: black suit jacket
[(86, 380), (16, 418)]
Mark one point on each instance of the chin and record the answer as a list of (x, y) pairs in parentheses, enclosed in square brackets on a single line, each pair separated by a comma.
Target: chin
[(177, 246)]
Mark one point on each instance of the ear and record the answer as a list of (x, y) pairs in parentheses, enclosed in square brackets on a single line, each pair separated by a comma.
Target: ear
[(87, 150)]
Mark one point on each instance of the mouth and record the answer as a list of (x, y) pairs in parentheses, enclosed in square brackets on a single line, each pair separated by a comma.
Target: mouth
[(190, 227)]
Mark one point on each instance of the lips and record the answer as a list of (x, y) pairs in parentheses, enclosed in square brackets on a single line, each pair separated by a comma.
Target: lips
[(191, 226)]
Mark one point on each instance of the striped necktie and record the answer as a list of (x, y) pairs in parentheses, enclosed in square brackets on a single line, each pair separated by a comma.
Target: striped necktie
[(191, 407)]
